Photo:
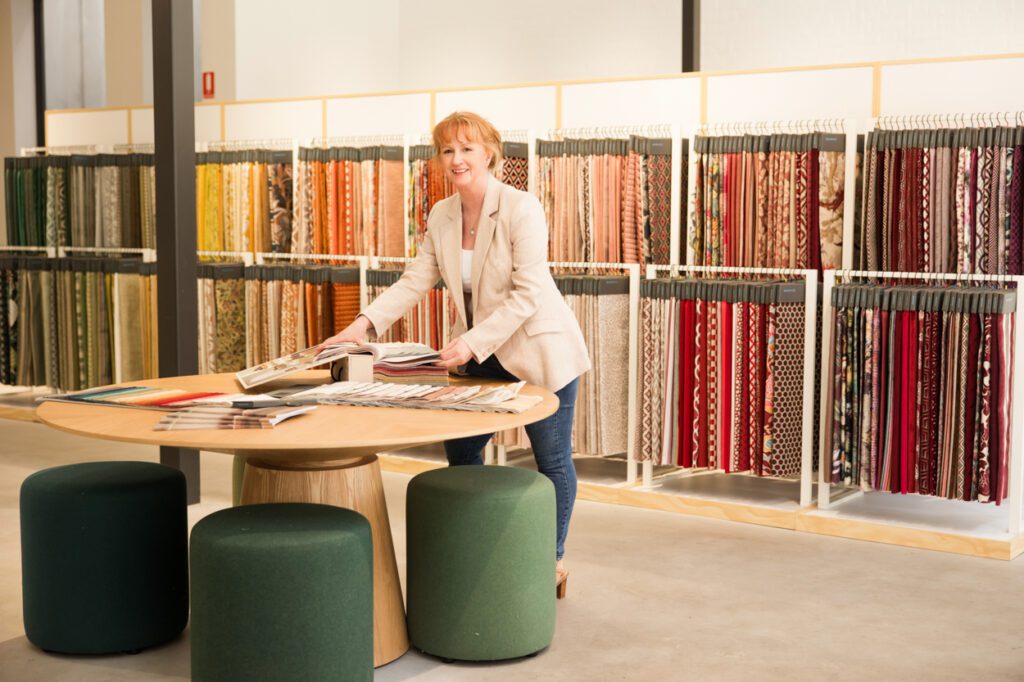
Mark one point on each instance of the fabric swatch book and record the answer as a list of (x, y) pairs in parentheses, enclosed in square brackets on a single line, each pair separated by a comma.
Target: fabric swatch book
[(432, 374), (212, 417), (145, 397), (404, 363), (504, 398), (394, 354)]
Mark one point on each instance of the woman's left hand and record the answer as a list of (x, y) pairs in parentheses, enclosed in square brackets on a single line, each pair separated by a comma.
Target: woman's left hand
[(456, 353)]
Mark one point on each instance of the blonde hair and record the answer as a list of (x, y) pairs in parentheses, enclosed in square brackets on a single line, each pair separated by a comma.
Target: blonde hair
[(473, 128)]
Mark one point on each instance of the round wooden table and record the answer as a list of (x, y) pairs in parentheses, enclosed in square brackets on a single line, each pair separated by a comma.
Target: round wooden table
[(326, 457)]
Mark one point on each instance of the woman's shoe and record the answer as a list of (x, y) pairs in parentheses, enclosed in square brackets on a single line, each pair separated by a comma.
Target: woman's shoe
[(561, 579)]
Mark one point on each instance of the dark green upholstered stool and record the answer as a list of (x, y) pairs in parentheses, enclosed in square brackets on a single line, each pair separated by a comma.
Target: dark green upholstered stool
[(282, 592), (481, 562), (104, 556)]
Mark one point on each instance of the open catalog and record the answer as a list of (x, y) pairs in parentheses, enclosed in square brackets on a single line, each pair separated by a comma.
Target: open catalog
[(394, 354)]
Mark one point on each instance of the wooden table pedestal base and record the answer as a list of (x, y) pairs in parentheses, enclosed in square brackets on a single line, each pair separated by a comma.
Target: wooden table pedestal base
[(354, 484)]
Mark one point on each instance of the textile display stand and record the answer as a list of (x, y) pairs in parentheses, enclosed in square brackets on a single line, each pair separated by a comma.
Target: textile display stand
[(736, 496), (277, 143), (48, 251), (851, 128), (245, 257), (67, 149), (351, 143), (248, 238), (913, 520), (679, 146), (605, 469), (362, 262), (147, 255)]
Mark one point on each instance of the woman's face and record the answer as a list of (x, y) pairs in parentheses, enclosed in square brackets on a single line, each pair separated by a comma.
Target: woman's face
[(464, 162)]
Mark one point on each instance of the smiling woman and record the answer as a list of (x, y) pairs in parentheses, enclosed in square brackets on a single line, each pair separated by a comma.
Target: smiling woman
[(489, 241), (463, 127), (469, 149)]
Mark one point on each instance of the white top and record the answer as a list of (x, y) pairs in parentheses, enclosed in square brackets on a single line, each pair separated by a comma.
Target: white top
[(467, 270)]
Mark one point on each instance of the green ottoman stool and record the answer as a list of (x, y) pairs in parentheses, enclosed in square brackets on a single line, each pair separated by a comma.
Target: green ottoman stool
[(481, 562), (282, 592), (104, 556)]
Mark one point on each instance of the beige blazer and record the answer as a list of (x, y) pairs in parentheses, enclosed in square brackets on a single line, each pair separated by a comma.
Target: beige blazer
[(518, 313)]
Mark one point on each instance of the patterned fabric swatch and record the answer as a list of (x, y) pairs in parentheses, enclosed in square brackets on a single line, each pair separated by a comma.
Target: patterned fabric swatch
[(607, 200), (349, 201), (515, 173), (919, 397), (84, 200), (768, 201), (721, 380), (942, 201), (229, 343)]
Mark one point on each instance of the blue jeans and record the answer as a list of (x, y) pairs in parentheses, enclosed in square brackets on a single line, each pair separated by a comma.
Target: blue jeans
[(551, 440)]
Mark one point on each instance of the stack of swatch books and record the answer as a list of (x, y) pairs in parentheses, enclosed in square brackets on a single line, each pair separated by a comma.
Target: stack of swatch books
[(409, 365), (191, 409), (504, 398), (396, 362), (145, 397), (214, 417)]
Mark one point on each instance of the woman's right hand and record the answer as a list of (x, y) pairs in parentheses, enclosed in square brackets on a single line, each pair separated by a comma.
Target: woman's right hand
[(354, 333)]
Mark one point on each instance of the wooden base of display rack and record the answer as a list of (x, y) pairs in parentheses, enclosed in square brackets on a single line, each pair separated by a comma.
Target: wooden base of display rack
[(822, 523), (733, 498)]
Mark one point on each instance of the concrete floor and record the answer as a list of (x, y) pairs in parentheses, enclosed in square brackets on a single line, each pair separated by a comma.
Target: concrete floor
[(652, 596)]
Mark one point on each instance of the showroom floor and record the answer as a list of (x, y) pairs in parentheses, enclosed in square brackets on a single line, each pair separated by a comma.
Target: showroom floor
[(652, 595)]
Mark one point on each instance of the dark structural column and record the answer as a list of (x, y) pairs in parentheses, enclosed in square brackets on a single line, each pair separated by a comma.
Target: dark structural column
[(691, 35), (39, 57), (175, 136)]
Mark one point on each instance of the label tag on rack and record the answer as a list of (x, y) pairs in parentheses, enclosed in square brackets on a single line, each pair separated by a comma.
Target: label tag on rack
[(659, 147), (831, 142), (791, 293), (516, 150)]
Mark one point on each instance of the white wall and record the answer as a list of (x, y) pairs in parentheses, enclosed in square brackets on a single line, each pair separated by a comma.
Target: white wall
[(102, 128), (952, 87), (674, 100), (386, 115), (301, 120), (147, 52), (507, 108), (324, 47), (75, 55), (217, 29), (207, 122), (748, 34), (790, 95), (454, 43), (24, 63), (314, 47)]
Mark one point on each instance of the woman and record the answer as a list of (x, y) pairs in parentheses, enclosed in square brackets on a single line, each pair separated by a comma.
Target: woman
[(489, 242)]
